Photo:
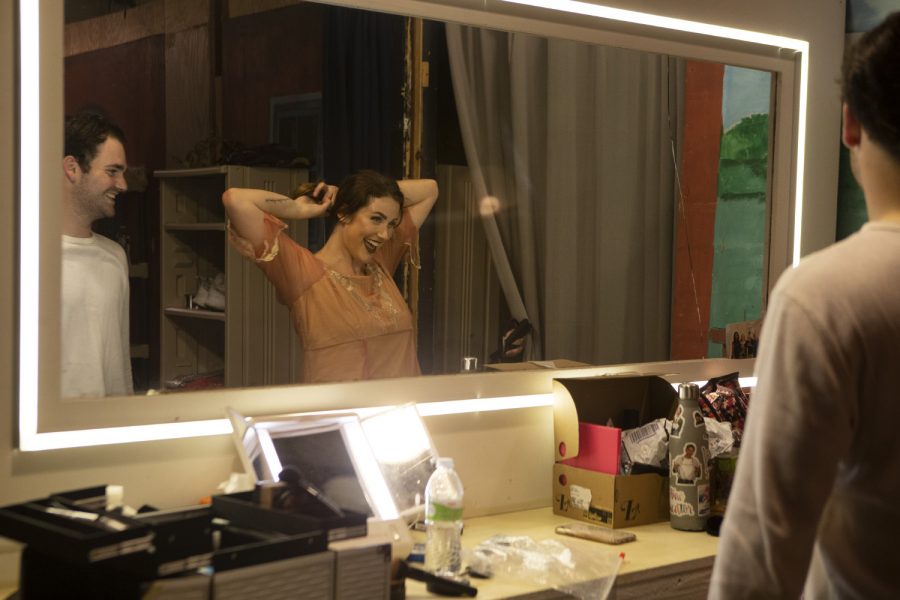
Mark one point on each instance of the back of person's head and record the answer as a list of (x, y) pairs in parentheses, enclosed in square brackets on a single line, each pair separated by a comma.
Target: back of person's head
[(85, 133), (356, 191), (871, 83)]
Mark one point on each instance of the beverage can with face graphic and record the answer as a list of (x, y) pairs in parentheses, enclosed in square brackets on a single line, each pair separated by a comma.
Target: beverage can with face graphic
[(689, 491)]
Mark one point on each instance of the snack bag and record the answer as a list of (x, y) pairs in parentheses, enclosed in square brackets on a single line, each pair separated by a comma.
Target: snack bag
[(723, 399)]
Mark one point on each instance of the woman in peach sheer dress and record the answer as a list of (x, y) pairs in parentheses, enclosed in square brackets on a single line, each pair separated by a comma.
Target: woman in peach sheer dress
[(352, 321)]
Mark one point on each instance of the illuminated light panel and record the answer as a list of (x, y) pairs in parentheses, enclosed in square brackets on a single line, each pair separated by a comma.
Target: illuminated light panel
[(640, 18), (370, 472), (146, 433), (747, 381), (801, 147), (29, 214), (454, 407), (776, 41), (268, 450), (122, 435), (381, 432)]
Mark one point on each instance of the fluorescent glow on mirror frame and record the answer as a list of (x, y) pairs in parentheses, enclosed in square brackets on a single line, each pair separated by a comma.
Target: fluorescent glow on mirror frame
[(190, 429), (122, 435), (273, 463), (396, 435), (364, 460), (455, 407), (775, 41), (29, 214)]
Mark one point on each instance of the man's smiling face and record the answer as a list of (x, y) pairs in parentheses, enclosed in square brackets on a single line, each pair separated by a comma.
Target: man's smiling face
[(95, 190)]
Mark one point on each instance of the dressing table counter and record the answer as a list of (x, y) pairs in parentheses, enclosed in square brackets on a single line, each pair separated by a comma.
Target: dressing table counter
[(660, 563)]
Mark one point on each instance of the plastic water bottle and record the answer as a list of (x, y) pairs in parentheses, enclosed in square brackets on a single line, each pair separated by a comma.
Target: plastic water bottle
[(443, 520)]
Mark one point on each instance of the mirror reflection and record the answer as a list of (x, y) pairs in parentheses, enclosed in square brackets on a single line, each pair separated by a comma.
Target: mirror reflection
[(616, 200)]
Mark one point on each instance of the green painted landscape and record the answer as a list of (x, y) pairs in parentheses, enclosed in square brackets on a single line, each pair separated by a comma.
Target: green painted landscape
[(737, 277)]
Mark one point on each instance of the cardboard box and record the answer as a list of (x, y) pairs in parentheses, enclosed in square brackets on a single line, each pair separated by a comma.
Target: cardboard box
[(602, 498)]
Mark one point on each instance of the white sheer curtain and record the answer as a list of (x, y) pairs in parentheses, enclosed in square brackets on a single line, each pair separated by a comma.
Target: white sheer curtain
[(575, 142)]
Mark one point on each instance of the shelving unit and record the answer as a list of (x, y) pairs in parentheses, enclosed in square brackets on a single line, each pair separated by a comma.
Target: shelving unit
[(251, 342)]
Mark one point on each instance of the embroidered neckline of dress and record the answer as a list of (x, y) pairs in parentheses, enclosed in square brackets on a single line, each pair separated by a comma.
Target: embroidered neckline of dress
[(378, 303)]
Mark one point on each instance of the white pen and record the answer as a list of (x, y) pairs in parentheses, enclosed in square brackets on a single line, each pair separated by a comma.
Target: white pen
[(83, 515)]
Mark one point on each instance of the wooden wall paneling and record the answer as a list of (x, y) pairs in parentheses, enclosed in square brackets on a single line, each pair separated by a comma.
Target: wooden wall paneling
[(266, 55), (188, 94), (115, 29), (186, 14)]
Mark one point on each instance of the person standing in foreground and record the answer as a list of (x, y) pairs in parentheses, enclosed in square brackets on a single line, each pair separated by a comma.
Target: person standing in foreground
[(815, 506), (95, 291)]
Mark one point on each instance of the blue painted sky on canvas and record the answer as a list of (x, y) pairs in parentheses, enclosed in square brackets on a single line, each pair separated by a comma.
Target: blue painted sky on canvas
[(745, 92)]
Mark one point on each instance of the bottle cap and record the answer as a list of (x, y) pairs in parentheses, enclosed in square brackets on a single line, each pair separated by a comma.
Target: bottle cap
[(115, 495), (688, 391), (445, 462)]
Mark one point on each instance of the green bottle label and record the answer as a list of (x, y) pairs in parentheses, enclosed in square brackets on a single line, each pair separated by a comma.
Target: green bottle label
[(440, 512)]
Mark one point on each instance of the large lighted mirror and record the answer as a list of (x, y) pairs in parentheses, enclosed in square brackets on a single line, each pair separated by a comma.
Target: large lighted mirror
[(628, 191)]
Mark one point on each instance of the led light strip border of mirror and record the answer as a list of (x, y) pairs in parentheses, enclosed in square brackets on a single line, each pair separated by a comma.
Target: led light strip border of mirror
[(29, 188), (29, 216), (144, 433)]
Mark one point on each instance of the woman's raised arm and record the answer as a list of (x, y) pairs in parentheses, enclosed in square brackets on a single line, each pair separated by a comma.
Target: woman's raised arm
[(246, 209), (419, 198)]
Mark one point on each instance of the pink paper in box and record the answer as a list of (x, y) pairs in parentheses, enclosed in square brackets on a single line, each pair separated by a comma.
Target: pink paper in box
[(599, 448)]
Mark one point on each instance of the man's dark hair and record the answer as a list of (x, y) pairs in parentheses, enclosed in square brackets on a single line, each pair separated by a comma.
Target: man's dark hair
[(871, 83), (85, 132)]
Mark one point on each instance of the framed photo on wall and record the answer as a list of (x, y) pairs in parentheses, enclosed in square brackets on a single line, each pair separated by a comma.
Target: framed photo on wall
[(742, 339)]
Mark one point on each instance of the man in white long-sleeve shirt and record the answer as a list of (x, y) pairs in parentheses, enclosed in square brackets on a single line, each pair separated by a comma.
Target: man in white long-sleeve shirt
[(815, 507), (95, 291)]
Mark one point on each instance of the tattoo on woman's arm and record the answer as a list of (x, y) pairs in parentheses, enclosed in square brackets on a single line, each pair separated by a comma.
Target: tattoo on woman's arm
[(278, 200)]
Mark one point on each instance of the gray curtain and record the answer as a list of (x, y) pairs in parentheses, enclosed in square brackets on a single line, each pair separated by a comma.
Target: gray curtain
[(576, 143)]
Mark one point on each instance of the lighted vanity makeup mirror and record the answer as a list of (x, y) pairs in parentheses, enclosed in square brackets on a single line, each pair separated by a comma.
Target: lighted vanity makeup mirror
[(378, 463), (47, 422), (330, 455)]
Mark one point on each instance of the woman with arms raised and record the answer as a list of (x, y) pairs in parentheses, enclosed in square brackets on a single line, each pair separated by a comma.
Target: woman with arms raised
[(351, 319)]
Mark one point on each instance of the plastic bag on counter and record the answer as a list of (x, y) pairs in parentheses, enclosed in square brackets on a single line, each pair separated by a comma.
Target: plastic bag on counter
[(721, 436), (646, 445), (548, 563)]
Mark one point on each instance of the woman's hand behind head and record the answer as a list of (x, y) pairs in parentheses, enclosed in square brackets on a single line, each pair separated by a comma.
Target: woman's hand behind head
[(314, 199)]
